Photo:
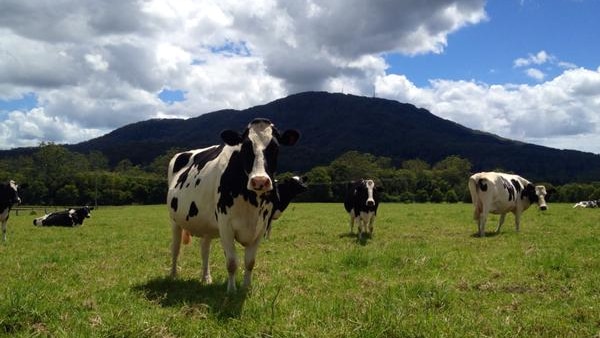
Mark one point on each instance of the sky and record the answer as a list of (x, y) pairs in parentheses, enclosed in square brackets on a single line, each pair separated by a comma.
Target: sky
[(72, 70)]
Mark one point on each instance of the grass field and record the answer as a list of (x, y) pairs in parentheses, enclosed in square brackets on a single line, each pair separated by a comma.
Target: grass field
[(423, 274)]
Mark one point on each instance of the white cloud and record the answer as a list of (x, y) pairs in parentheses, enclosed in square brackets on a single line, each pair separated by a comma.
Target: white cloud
[(549, 113), (100, 65), (534, 59), (95, 66), (535, 73)]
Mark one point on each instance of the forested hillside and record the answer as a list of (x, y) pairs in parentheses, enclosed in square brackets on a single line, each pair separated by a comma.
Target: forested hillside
[(333, 124)]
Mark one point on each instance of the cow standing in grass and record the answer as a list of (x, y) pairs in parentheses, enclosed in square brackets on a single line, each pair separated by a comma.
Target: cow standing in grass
[(9, 197), (361, 202), (226, 191), (500, 193)]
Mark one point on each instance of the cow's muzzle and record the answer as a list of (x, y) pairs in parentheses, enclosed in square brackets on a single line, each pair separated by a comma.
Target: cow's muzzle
[(543, 207), (370, 203), (260, 183)]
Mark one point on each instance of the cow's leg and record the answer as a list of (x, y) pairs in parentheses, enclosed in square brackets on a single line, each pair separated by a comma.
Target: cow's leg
[(351, 221), (517, 221), (4, 231), (227, 241), (175, 246), (361, 227), (205, 252), (371, 222), (249, 260), (481, 223), (500, 222)]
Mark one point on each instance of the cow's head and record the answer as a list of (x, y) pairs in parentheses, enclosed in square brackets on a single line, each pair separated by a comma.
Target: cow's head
[(536, 194), (87, 211), (365, 190), (81, 213), (10, 193), (259, 149)]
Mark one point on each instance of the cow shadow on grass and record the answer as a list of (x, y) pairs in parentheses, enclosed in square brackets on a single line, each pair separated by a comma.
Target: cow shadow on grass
[(361, 241), (169, 292), (487, 234)]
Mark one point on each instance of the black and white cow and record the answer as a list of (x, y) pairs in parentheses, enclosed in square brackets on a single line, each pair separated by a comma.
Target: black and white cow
[(68, 218), (361, 202), (587, 204), (226, 191), (286, 191), (9, 197), (500, 193)]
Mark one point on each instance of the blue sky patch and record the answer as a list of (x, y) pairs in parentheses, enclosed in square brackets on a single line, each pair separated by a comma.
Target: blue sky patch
[(26, 102), (171, 96), (232, 48)]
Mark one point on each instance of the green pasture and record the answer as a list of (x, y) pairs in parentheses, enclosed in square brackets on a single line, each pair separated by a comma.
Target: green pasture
[(422, 274)]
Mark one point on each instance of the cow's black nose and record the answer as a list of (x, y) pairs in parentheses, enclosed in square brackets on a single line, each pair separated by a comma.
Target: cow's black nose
[(543, 207), (370, 203)]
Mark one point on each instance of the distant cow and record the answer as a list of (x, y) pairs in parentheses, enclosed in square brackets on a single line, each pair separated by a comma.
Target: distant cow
[(226, 191), (9, 197), (500, 193), (361, 202), (69, 218), (587, 204), (286, 191)]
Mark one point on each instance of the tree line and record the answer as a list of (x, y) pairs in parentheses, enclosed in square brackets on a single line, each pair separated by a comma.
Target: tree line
[(57, 176)]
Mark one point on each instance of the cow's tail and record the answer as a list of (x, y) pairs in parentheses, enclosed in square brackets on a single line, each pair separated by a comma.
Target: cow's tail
[(475, 186), (186, 237)]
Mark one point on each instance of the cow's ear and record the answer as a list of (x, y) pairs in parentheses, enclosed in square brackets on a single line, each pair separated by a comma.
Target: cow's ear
[(304, 179), (379, 189), (23, 186), (289, 137), (231, 137)]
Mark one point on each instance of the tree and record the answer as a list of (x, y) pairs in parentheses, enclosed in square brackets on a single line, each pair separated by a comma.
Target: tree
[(436, 196), (421, 196), (67, 195), (451, 196), (415, 165), (56, 166), (319, 183)]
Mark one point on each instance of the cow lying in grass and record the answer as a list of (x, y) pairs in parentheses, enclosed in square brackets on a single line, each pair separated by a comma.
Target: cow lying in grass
[(69, 218)]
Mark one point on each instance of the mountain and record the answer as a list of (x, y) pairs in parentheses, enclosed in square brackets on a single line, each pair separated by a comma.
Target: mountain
[(332, 124)]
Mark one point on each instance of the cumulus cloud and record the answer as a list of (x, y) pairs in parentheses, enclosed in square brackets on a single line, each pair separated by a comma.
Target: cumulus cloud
[(95, 66), (565, 107), (532, 63), (535, 73), (534, 59)]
